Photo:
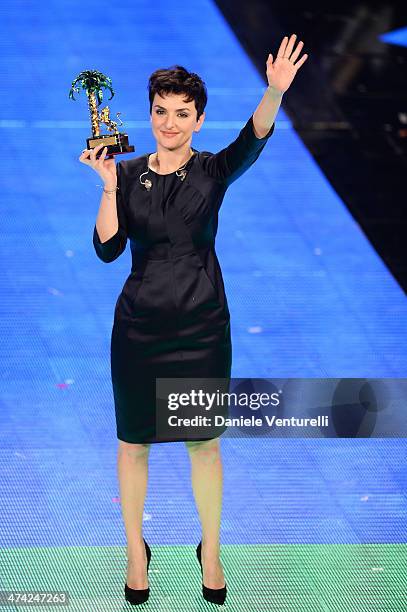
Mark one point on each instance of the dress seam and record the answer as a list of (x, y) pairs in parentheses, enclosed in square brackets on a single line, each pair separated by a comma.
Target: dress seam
[(177, 314)]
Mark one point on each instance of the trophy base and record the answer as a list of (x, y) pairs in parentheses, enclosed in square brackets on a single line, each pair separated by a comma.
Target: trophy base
[(117, 144)]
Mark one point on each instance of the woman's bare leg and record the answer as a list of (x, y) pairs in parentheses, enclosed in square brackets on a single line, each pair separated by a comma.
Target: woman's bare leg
[(207, 483), (132, 469)]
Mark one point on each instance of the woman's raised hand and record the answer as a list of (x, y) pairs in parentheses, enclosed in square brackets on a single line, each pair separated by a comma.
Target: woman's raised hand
[(106, 168), (281, 73)]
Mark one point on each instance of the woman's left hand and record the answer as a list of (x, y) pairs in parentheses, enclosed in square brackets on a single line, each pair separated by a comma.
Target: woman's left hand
[(281, 73)]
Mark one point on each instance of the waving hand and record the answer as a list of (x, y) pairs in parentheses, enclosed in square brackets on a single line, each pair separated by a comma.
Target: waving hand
[(281, 72)]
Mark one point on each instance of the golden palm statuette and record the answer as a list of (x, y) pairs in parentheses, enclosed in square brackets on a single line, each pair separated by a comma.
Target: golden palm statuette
[(93, 81)]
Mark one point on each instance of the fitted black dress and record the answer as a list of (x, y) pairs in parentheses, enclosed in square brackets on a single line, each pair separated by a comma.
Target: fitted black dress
[(171, 318)]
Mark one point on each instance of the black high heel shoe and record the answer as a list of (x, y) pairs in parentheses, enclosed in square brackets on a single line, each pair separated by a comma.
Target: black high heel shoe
[(138, 596), (216, 596)]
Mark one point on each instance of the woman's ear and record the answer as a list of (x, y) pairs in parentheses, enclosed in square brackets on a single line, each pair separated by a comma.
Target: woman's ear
[(200, 122)]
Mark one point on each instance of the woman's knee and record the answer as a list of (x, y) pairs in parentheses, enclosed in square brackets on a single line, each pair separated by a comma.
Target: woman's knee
[(203, 447), (133, 449)]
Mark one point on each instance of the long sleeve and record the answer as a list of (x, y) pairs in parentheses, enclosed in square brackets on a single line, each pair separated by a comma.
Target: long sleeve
[(111, 249), (232, 161)]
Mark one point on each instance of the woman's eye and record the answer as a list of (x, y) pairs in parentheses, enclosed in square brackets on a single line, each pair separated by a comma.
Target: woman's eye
[(182, 114)]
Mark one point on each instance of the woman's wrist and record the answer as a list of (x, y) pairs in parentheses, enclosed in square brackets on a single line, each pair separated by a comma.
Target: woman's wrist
[(110, 185), (275, 92)]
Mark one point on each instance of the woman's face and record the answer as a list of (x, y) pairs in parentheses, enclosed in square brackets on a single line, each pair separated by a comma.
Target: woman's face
[(174, 120)]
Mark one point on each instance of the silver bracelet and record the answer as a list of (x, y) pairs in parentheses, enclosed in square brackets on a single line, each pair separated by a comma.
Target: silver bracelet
[(111, 190)]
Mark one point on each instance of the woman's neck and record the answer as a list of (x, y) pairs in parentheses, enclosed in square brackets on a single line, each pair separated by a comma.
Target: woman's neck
[(165, 162)]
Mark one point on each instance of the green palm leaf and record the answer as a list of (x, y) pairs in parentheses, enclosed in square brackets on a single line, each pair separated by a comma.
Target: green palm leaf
[(92, 81)]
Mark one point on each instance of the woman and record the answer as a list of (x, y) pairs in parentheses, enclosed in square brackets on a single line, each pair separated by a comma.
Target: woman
[(172, 318)]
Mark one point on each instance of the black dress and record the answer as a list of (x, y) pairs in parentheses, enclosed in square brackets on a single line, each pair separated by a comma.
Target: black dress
[(171, 318)]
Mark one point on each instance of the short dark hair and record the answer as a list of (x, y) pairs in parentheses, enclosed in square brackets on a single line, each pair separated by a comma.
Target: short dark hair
[(176, 79)]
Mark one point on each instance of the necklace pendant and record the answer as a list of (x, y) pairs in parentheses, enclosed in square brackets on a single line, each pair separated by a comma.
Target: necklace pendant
[(148, 184)]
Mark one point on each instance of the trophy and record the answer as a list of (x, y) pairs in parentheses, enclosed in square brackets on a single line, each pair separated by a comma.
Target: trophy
[(92, 81)]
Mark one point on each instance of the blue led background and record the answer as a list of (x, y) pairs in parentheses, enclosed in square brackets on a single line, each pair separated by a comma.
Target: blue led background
[(308, 295)]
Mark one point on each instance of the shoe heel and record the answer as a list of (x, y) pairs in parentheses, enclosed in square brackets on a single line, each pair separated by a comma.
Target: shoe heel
[(148, 552), (138, 596), (216, 596)]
